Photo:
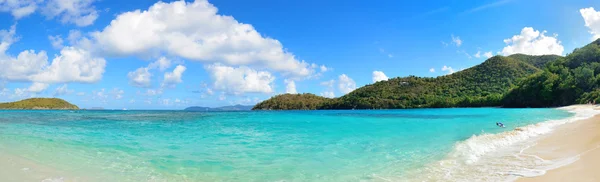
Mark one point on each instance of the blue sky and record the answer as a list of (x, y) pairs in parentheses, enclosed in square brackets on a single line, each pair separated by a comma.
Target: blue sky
[(143, 54)]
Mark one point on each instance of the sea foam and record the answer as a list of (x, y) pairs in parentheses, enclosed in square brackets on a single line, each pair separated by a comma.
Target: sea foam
[(499, 157)]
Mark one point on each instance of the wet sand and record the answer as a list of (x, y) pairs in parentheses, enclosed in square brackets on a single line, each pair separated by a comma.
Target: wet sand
[(579, 142)]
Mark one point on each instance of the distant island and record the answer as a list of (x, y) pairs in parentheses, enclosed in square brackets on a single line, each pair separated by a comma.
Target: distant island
[(39, 104), (501, 81), (224, 108)]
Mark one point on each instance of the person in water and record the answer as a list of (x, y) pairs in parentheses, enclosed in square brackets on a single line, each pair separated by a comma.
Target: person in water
[(499, 124)]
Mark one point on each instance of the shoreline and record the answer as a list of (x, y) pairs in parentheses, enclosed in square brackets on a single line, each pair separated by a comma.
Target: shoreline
[(554, 146), (576, 144)]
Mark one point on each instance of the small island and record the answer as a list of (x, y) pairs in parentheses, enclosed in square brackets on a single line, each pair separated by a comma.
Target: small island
[(39, 104)]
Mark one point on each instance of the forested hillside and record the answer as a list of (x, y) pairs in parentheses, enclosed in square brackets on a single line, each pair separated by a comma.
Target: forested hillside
[(481, 85), (569, 80)]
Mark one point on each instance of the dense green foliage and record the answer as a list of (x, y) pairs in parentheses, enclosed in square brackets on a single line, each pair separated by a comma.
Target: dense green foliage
[(39, 103), (479, 86), (537, 61), (569, 80), (482, 85), (292, 102)]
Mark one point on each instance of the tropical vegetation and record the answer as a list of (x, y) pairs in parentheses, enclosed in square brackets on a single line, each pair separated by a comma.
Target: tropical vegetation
[(39, 103)]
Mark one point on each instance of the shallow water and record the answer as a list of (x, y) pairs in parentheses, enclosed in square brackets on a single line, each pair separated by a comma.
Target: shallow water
[(375, 145)]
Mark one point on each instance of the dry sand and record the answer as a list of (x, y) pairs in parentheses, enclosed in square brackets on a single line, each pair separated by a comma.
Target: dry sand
[(578, 140)]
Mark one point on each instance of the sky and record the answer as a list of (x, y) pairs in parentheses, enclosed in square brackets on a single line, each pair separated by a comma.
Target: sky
[(145, 54)]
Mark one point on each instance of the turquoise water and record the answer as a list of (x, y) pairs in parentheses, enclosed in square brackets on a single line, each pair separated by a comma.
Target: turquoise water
[(250, 146)]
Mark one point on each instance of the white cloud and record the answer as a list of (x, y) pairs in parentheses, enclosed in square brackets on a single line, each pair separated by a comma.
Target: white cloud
[(162, 64), (533, 42), (432, 70), (99, 94), (79, 12), (328, 94), (153, 92), (222, 97), (166, 27), (329, 83), (346, 84), (478, 54), (80, 93), (117, 93), (448, 69), (592, 21), (37, 87), (141, 77), (56, 41), (379, 76), (71, 65), (63, 90), (18, 8), (456, 40), (488, 54), (324, 68), (173, 78), (290, 86), (240, 80)]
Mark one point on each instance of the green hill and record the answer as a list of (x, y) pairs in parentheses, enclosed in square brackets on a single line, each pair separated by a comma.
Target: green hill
[(292, 102), (569, 80), (481, 85), (39, 103)]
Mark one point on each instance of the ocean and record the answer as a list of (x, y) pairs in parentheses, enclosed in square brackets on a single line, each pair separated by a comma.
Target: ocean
[(355, 145)]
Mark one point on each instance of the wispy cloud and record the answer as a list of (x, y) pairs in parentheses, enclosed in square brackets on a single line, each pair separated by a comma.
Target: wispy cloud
[(487, 6)]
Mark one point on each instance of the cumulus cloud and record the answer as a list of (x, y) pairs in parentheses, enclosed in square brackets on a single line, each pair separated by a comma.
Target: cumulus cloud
[(448, 69), (71, 65), (290, 86), (488, 54), (37, 87), (480, 54), (166, 27), (592, 21), (78, 12), (173, 78), (432, 70), (56, 41), (240, 80), (162, 64), (141, 77), (18, 8), (329, 89), (379, 76), (533, 42), (346, 84)]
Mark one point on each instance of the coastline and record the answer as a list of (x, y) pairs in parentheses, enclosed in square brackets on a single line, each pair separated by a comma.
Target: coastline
[(577, 144), (497, 153)]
